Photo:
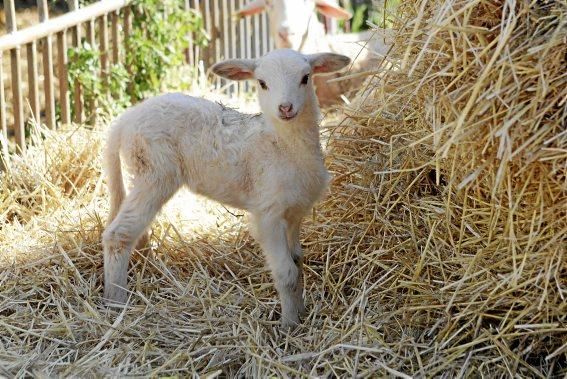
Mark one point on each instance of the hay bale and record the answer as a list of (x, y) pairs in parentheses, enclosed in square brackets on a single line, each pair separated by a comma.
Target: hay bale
[(463, 155)]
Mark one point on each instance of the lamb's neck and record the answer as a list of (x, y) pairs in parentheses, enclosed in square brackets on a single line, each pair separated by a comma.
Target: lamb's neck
[(301, 132), (315, 40)]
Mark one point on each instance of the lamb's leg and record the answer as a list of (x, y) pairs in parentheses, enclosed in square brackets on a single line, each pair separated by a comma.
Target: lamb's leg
[(138, 210), (272, 236), (294, 223)]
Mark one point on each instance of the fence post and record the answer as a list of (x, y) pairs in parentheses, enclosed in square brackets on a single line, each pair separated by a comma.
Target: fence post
[(3, 127), (115, 38), (63, 81), (197, 56), (189, 48), (208, 53), (10, 12), (33, 80), (127, 30), (227, 19), (242, 42), (47, 68), (103, 36), (76, 39), (265, 33), (234, 86), (91, 104), (215, 30), (256, 34)]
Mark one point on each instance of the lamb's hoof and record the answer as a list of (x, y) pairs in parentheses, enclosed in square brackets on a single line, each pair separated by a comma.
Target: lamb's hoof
[(115, 296), (289, 324)]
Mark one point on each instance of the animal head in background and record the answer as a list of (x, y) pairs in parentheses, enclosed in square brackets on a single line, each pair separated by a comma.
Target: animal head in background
[(291, 20)]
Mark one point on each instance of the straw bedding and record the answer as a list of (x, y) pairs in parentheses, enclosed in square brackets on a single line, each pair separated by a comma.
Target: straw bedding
[(440, 250)]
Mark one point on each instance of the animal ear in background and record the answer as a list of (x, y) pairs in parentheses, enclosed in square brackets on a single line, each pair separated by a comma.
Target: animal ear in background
[(252, 8), (235, 69), (329, 9), (325, 63)]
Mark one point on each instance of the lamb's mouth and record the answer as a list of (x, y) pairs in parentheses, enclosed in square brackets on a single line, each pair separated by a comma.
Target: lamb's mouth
[(287, 117)]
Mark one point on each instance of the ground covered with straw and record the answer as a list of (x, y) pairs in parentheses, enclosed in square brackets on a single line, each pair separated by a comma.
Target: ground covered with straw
[(439, 251)]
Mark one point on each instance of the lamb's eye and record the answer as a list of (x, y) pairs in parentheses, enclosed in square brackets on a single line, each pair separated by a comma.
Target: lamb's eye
[(305, 79), (263, 84)]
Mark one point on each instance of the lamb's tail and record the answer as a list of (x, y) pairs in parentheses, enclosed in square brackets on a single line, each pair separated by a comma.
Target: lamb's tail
[(113, 171)]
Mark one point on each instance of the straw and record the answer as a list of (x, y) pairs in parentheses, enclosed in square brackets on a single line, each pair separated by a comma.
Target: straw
[(439, 250)]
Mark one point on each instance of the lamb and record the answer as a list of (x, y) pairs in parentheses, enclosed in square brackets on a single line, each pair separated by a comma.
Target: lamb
[(294, 24), (270, 165)]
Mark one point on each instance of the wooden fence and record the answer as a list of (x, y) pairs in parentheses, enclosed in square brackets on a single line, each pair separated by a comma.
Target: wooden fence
[(106, 24)]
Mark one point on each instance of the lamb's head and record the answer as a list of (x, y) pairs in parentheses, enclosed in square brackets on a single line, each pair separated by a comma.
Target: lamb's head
[(290, 19), (284, 79)]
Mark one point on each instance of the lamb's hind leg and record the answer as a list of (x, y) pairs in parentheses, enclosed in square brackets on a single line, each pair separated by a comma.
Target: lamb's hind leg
[(137, 212), (272, 236)]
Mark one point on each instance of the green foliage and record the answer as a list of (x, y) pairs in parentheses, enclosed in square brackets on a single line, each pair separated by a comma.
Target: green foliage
[(159, 34), (160, 31), (358, 21), (380, 13), (84, 70), (83, 3), (384, 16)]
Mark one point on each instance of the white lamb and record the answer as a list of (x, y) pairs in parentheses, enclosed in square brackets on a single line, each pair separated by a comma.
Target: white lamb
[(294, 25), (268, 164)]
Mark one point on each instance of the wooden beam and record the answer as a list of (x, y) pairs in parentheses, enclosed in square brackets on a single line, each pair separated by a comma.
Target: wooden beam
[(63, 81), (58, 24), (3, 126), (16, 65), (115, 38), (47, 50), (91, 104), (33, 81), (103, 48), (127, 28), (189, 49), (76, 41), (3, 123)]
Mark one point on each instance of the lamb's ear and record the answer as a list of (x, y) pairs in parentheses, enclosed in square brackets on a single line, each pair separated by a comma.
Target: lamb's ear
[(324, 63), (235, 69), (251, 8), (329, 9)]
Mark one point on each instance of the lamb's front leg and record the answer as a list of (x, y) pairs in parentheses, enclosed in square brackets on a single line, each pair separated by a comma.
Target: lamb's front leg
[(294, 223), (272, 236)]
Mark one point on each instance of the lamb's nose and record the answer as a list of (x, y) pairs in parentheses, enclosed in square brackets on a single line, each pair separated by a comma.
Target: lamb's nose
[(286, 108)]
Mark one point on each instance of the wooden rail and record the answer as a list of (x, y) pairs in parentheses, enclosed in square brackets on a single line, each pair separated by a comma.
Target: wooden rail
[(55, 25), (42, 48)]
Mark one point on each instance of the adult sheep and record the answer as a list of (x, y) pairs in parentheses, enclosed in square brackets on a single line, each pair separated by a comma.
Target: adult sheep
[(294, 25)]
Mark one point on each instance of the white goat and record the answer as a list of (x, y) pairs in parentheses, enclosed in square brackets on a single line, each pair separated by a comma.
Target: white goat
[(269, 164), (294, 25)]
